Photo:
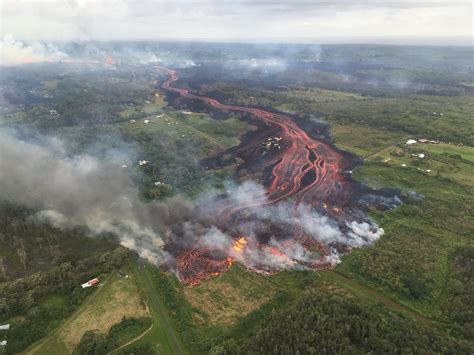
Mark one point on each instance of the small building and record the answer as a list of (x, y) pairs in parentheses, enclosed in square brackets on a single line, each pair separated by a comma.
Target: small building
[(90, 283), (423, 140), (411, 141), (142, 162), (146, 121), (5, 327), (133, 121), (3, 343)]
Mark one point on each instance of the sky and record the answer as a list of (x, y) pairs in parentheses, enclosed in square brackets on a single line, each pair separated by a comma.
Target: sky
[(240, 20)]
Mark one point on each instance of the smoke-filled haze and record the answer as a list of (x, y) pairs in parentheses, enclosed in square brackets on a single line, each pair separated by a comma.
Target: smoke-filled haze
[(379, 21)]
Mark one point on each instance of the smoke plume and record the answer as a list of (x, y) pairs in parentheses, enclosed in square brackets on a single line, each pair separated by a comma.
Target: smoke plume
[(13, 52), (83, 190)]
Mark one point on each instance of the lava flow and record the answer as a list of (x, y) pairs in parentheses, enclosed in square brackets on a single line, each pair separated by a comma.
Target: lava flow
[(305, 176)]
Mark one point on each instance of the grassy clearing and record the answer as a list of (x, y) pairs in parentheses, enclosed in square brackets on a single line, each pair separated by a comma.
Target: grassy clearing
[(205, 135), (443, 160), (224, 299), (411, 261), (465, 152), (363, 140), (119, 298), (174, 142), (162, 336)]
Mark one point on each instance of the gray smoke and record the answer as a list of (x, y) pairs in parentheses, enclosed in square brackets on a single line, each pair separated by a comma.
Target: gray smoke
[(99, 194), (84, 191)]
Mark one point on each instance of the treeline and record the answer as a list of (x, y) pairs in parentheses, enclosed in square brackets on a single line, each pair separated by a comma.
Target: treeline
[(459, 305), (95, 343), (25, 297), (179, 309), (320, 322), (28, 246)]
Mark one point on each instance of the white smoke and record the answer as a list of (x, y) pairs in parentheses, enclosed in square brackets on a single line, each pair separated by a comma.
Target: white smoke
[(13, 52), (282, 251)]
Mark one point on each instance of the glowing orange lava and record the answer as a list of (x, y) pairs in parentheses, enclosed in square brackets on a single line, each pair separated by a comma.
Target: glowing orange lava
[(304, 169)]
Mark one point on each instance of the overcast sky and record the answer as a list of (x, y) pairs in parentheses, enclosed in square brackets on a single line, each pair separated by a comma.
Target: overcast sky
[(238, 20)]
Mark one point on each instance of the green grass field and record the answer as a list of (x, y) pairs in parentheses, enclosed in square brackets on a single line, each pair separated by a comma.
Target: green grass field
[(162, 336), (113, 300)]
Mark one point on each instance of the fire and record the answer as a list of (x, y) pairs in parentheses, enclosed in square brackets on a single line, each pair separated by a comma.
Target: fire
[(196, 265), (239, 244), (275, 251)]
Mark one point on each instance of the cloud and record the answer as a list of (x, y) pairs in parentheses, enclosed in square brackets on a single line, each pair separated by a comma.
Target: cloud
[(231, 20)]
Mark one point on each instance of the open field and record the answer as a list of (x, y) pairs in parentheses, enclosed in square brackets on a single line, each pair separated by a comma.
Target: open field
[(194, 130), (363, 140), (222, 301), (116, 298), (411, 262), (445, 160)]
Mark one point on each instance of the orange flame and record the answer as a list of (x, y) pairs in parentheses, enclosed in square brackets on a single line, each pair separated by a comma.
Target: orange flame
[(239, 244)]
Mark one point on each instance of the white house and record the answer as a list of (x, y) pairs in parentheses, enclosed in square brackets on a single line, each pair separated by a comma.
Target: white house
[(5, 327), (411, 141)]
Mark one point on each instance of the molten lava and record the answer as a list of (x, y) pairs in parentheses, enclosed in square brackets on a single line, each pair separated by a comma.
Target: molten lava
[(305, 171)]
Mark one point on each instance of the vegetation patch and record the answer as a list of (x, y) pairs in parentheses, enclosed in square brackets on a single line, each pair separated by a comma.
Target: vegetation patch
[(224, 299), (118, 299)]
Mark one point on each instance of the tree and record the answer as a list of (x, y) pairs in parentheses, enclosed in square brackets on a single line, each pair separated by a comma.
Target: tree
[(92, 343)]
